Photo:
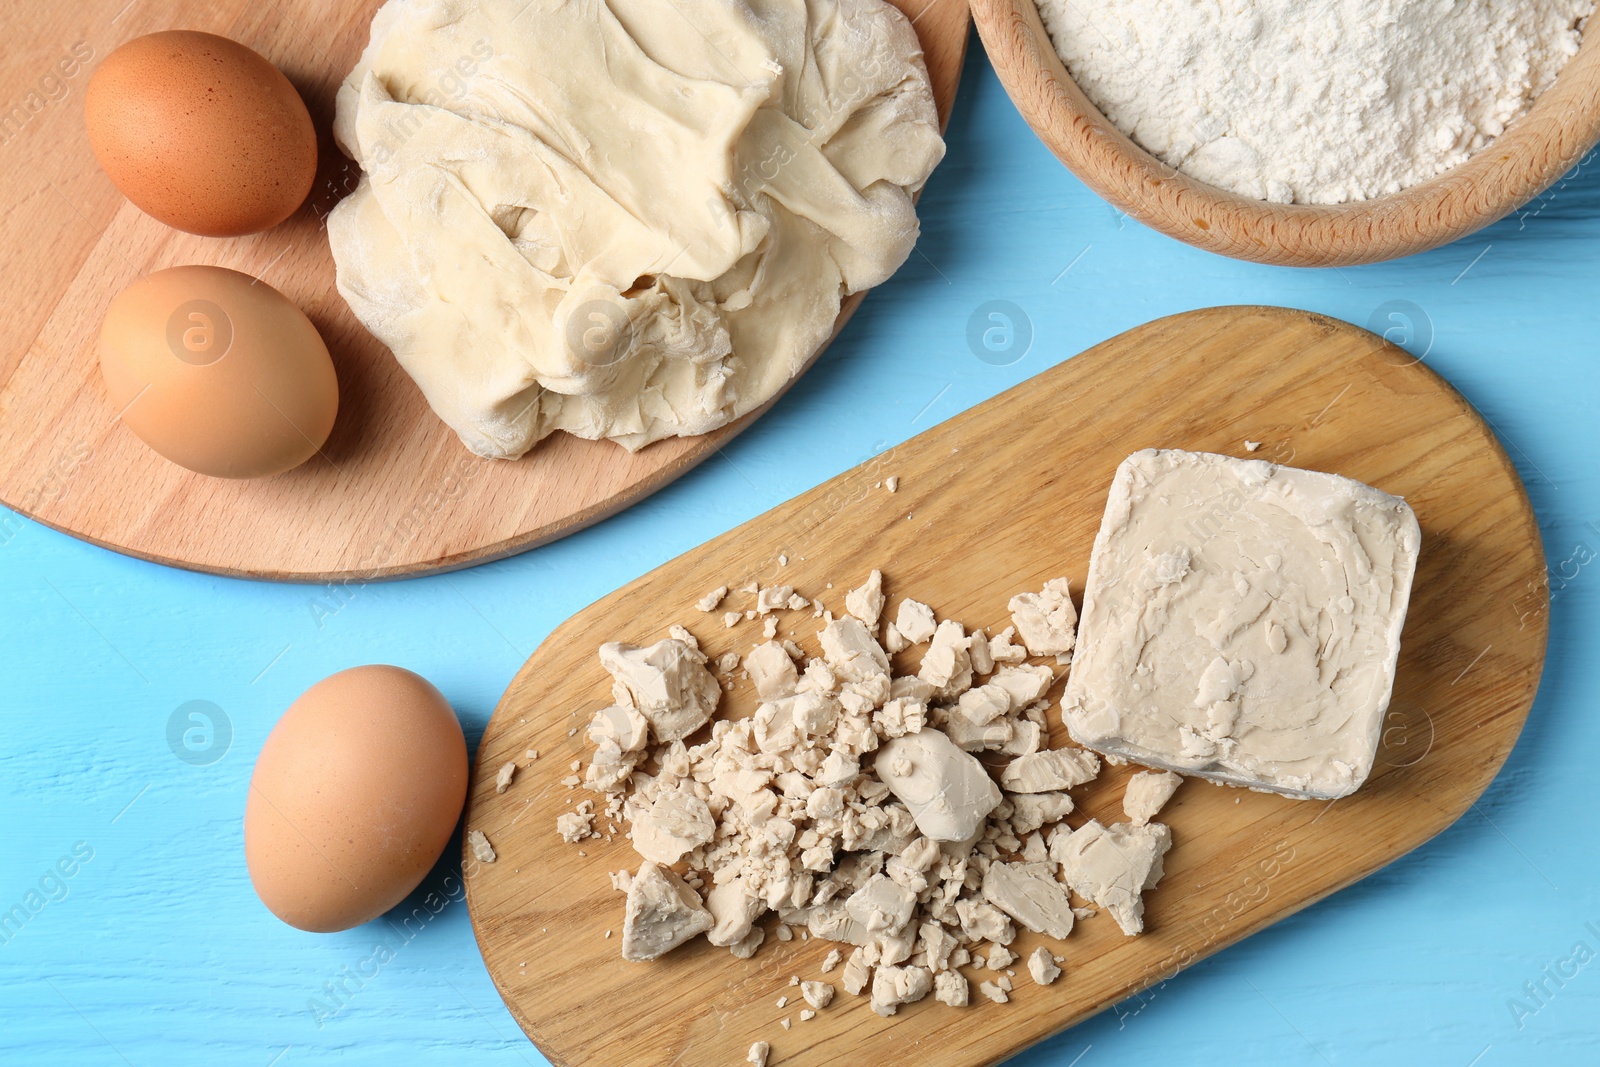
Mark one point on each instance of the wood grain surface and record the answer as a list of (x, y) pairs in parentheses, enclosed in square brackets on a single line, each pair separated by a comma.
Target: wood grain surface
[(393, 492), (994, 502), (1535, 151)]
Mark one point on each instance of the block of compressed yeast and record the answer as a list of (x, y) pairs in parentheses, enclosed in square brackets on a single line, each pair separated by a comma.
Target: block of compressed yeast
[(1241, 622)]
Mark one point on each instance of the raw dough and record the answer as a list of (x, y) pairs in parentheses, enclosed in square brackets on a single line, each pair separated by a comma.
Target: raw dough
[(623, 219)]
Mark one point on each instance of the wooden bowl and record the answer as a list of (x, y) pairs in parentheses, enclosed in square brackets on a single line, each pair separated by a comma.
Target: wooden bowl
[(1531, 155)]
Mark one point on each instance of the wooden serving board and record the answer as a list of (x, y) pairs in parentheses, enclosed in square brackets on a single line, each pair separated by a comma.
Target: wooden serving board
[(393, 492), (994, 502)]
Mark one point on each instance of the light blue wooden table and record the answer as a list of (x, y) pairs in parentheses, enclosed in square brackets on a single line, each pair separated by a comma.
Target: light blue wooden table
[(1478, 949)]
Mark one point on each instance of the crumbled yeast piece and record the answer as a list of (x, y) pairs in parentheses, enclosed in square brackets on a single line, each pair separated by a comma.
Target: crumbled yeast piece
[(866, 602), (817, 994), (1113, 865), (981, 921), (854, 655), (674, 824), (893, 640), (935, 945), (831, 960), (1024, 684), (857, 972), (1046, 620), (759, 1053), (1003, 650), (773, 598), (710, 601), (993, 992), (574, 826), (1030, 894), (1148, 792), (896, 986), (1027, 735), (983, 705), (1042, 966), (1051, 770), (1031, 811), (482, 851), (772, 671), (946, 665), (502, 778), (947, 791), (914, 621), (1000, 958), (978, 652), (900, 716), (668, 683), (662, 913), (620, 725), (970, 738), (950, 987), (882, 905)]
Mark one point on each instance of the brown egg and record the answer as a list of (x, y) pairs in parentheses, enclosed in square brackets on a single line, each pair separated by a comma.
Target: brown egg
[(218, 372), (354, 796), (201, 133)]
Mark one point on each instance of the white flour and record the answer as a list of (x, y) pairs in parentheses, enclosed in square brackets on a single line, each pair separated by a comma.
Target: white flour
[(1315, 102)]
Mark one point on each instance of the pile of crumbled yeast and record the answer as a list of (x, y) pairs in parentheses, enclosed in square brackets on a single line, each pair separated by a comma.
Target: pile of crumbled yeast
[(854, 805)]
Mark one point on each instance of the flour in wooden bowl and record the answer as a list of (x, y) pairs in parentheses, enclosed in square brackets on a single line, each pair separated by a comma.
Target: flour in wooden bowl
[(1314, 103)]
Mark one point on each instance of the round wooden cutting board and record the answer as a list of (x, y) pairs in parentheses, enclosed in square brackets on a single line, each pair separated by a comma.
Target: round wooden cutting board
[(995, 502), (393, 492)]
